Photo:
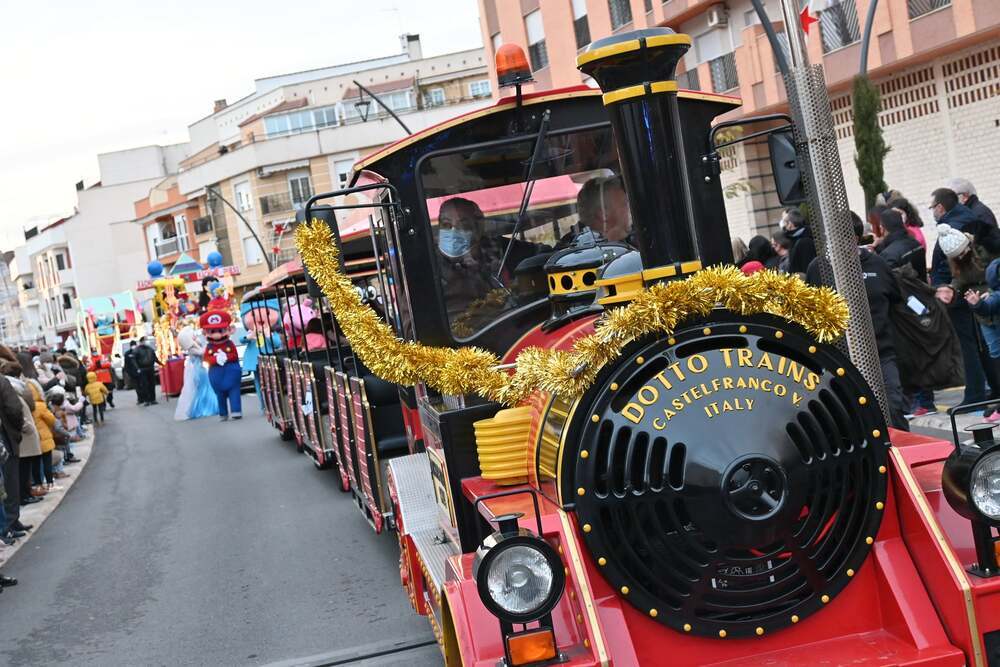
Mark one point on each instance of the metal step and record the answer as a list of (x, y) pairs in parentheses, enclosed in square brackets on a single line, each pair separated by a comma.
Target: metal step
[(415, 491), (434, 550)]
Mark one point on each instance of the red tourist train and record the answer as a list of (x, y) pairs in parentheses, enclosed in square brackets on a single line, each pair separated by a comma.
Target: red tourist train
[(725, 494)]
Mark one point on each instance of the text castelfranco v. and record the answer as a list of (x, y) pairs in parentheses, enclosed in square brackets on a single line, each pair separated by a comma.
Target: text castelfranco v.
[(791, 376)]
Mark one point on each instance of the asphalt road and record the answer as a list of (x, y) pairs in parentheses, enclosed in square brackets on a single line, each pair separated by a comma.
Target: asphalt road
[(206, 543)]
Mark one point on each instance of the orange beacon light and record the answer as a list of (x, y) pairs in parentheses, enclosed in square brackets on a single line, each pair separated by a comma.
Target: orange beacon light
[(512, 66)]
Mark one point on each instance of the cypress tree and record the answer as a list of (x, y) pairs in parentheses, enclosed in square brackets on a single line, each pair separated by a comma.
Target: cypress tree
[(868, 140)]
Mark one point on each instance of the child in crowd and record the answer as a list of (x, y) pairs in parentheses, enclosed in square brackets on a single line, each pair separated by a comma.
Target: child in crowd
[(73, 406), (64, 437), (96, 392)]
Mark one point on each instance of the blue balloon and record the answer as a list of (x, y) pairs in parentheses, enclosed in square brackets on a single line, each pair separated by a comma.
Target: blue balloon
[(154, 268), (215, 259)]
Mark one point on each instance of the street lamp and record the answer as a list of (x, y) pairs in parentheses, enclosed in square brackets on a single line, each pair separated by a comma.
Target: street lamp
[(363, 106)]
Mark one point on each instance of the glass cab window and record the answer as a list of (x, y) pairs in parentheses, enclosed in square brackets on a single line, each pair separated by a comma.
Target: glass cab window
[(490, 260)]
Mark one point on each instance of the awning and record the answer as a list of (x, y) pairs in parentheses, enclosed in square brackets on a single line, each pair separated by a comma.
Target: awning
[(267, 170)]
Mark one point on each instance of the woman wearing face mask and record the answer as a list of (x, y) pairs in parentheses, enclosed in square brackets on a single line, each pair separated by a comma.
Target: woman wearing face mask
[(464, 264)]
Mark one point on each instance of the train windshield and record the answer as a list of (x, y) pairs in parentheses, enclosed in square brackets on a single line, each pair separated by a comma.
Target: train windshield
[(490, 261)]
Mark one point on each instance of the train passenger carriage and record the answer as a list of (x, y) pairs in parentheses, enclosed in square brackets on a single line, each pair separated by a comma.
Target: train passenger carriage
[(710, 481)]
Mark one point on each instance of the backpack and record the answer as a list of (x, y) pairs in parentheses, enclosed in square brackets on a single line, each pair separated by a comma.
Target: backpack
[(928, 353)]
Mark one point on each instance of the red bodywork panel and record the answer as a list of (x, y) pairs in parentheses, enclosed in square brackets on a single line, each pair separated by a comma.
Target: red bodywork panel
[(904, 606)]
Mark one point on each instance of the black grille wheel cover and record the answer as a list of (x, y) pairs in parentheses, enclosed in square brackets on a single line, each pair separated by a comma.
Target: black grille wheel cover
[(772, 509)]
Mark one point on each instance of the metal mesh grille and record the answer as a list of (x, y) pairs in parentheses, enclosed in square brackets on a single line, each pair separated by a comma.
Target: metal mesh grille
[(830, 218)]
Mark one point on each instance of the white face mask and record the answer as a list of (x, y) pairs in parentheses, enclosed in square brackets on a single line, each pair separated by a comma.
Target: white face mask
[(455, 242)]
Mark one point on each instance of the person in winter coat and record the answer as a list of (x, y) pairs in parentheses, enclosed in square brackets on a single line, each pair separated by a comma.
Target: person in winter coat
[(45, 423), (760, 250), (96, 393), (967, 196), (11, 423), (986, 306), (803, 248), (911, 217), (948, 211), (897, 247), (883, 291), (30, 449)]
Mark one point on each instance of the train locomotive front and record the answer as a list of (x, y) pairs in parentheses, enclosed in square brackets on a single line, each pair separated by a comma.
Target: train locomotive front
[(720, 489)]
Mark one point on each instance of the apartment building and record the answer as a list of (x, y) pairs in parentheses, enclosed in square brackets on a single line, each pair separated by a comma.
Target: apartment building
[(936, 63), (27, 326), (46, 283), (255, 162)]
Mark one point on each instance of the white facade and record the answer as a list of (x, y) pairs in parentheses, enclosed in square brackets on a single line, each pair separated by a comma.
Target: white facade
[(29, 330), (109, 253)]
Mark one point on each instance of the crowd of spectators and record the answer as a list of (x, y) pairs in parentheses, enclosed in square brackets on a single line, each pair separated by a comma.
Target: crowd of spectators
[(936, 325), (44, 396)]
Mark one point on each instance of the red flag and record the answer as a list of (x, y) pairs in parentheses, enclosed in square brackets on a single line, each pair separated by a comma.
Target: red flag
[(806, 19)]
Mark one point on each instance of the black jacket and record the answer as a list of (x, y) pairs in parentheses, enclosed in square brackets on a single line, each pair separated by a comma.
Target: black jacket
[(11, 415), (928, 353), (899, 248), (803, 251), (145, 357), (980, 210), (883, 293)]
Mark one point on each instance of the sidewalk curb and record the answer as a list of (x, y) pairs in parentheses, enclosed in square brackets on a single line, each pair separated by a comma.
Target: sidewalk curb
[(35, 515)]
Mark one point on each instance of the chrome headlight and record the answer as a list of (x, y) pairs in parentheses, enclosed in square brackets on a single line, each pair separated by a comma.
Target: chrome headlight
[(985, 485), (519, 576)]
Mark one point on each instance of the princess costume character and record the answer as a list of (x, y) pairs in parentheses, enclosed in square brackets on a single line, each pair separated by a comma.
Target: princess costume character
[(197, 397)]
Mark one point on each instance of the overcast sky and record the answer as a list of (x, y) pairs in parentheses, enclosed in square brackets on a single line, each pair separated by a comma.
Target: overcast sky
[(82, 78)]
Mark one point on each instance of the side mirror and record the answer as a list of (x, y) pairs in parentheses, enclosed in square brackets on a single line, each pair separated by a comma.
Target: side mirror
[(784, 165)]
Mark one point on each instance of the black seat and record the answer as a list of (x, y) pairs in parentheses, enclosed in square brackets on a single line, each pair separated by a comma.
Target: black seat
[(387, 417)]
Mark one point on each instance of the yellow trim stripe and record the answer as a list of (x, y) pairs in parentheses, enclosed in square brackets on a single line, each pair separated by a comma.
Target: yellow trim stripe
[(629, 92), (562, 447), (586, 597), (475, 115), (631, 45), (956, 567)]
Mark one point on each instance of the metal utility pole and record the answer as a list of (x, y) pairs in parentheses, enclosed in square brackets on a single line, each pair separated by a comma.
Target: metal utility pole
[(829, 212), (215, 193)]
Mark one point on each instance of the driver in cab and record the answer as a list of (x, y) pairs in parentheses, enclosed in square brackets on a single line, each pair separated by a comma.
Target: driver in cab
[(603, 208)]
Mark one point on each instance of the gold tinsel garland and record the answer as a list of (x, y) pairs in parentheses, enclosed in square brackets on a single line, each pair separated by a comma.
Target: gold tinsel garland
[(657, 309)]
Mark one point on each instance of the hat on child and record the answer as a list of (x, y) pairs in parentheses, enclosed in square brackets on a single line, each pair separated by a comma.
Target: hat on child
[(952, 241)]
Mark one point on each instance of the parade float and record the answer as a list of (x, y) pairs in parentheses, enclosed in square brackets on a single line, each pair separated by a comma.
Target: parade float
[(177, 302)]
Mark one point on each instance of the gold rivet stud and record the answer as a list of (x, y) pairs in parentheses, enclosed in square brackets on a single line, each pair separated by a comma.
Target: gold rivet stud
[(881, 469), (812, 349), (579, 619), (743, 328), (559, 549), (671, 341), (624, 590), (876, 433), (586, 643), (824, 599), (566, 571), (862, 400), (879, 505), (640, 360), (687, 627), (840, 372), (850, 572), (602, 561), (572, 594), (707, 331), (584, 453), (722, 633), (759, 631), (581, 491), (869, 540), (653, 613), (614, 386), (586, 527), (779, 334), (595, 418), (795, 619)]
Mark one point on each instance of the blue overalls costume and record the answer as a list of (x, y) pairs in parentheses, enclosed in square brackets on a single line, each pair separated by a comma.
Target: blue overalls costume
[(223, 363)]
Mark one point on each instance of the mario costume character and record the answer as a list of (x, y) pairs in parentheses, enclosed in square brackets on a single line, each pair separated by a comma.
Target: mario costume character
[(223, 362)]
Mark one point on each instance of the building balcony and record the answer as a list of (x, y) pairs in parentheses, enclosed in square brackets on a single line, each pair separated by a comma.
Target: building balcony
[(171, 246), (279, 203), (65, 277)]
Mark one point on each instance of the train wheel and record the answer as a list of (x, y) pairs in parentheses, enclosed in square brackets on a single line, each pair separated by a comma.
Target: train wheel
[(287, 435)]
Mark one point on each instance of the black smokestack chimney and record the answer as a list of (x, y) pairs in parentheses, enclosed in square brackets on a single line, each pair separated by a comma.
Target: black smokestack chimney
[(636, 72)]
